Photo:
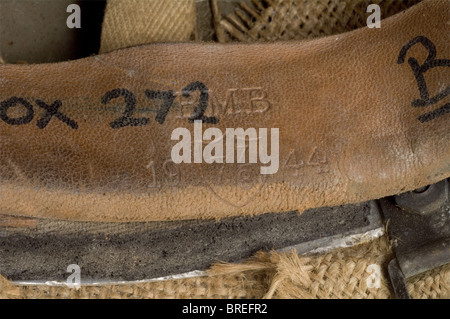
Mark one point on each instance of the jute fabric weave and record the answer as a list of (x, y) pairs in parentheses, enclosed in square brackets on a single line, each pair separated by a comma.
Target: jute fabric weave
[(343, 273), (133, 22), (271, 20)]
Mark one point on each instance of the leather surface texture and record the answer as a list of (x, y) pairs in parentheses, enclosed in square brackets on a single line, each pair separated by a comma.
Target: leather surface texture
[(360, 116)]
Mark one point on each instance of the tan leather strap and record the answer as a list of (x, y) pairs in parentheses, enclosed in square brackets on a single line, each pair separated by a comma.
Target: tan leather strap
[(360, 116)]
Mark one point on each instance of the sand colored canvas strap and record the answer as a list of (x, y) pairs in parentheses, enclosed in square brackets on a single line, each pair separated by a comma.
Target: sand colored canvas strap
[(131, 22), (336, 120)]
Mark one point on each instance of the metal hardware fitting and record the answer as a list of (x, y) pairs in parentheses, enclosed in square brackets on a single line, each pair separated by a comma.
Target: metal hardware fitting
[(418, 224)]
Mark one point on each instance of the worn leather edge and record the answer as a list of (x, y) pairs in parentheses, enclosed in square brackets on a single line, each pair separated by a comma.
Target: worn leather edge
[(23, 197)]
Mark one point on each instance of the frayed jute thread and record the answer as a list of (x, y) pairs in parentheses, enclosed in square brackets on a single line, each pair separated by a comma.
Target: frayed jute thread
[(339, 274), (343, 273)]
